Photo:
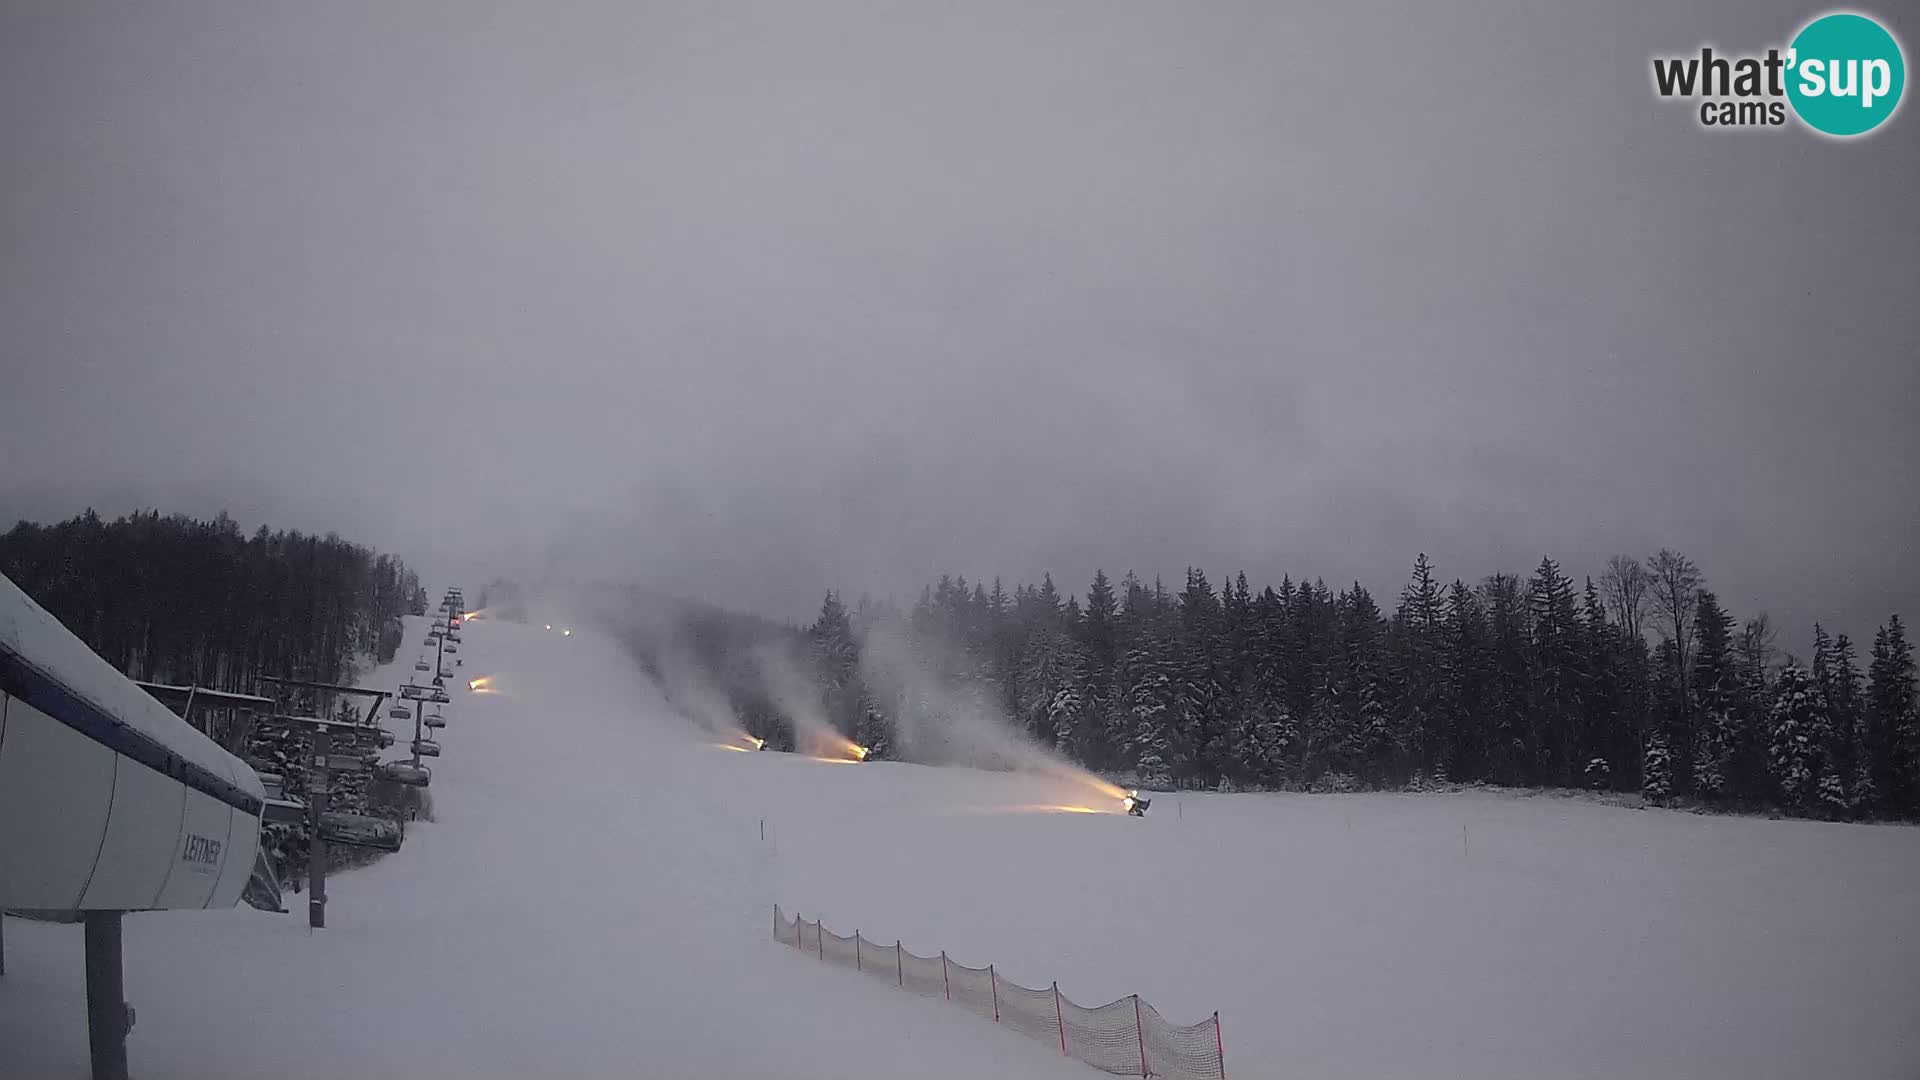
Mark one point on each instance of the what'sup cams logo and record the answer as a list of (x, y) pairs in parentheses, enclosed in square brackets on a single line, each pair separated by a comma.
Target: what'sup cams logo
[(1842, 75)]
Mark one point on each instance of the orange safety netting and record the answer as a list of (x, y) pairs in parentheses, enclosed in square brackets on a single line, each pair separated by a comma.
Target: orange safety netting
[(1127, 1037)]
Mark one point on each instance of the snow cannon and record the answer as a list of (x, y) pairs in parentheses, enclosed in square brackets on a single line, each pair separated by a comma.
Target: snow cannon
[(859, 752), (1135, 803)]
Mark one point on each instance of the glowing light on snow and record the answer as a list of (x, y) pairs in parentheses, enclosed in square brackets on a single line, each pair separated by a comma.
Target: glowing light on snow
[(1041, 808), (829, 745), (1080, 776), (731, 746)]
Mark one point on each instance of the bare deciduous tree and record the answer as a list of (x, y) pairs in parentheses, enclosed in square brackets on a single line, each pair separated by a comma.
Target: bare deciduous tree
[(1676, 586), (1624, 588), (1757, 648)]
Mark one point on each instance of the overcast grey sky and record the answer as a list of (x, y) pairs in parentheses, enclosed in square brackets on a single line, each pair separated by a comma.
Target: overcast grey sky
[(746, 301)]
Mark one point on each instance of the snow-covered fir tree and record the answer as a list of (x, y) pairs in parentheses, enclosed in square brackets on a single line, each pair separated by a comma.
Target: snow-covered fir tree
[(1714, 687), (1657, 774), (1894, 718), (1792, 739)]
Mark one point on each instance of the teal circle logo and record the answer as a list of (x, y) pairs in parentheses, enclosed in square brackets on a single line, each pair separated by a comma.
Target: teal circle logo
[(1845, 74)]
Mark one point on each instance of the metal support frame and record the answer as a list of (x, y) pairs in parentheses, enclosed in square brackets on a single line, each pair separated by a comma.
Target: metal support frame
[(319, 779), (109, 1017)]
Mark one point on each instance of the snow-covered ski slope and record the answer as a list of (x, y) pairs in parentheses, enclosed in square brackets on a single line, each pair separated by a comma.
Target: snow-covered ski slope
[(594, 899)]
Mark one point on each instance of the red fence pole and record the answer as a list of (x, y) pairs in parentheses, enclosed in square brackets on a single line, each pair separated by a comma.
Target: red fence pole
[(944, 984), (899, 965), (856, 950), (1219, 1047), (993, 981), (1058, 1019), (820, 938), (1140, 1033)]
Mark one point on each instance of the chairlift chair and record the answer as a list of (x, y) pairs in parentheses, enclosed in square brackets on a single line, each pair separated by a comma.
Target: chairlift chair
[(426, 748), (362, 830), (421, 665), (435, 721), (406, 774), (400, 712), (439, 697)]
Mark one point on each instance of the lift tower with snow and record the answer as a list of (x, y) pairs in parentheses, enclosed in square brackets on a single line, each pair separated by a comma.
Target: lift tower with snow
[(109, 803)]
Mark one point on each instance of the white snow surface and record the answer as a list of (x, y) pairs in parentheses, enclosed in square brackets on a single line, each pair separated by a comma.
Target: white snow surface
[(594, 899)]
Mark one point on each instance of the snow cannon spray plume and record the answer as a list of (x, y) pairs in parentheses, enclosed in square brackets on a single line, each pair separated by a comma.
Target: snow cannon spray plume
[(938, 723), (695, 696), (797, 696)]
